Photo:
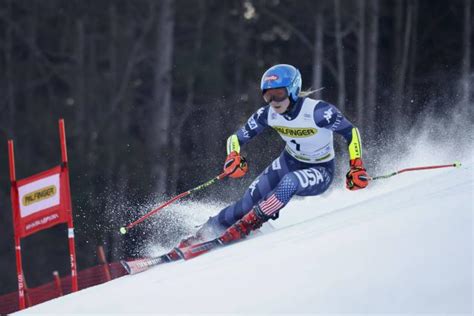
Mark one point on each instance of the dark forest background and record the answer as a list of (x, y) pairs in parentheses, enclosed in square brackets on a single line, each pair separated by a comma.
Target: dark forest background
[(150, 90)]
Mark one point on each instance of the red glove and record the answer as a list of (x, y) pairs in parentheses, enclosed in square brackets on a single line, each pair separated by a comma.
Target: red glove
[(235, 165), (357, 177)]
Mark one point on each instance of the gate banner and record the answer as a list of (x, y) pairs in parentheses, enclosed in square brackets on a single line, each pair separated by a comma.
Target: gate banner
[(41, 202)]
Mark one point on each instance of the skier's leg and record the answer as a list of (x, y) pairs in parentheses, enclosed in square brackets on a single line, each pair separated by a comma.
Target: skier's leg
[(310, 181), (260, 187), (305, 182)]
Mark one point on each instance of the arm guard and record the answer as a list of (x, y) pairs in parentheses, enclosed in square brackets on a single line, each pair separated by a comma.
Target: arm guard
[(233, 144), (355, 146)]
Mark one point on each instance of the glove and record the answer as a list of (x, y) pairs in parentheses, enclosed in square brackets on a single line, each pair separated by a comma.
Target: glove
[(235, 165), (357, 177)]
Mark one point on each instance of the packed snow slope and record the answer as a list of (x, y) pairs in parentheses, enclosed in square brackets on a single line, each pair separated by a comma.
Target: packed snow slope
[(402, 246)]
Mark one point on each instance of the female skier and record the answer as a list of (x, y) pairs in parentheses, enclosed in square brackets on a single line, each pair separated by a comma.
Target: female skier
[(305, 167)]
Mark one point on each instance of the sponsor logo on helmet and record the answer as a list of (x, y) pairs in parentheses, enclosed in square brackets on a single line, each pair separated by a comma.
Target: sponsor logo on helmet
[(271, 78), (296, 132), (39, 195)]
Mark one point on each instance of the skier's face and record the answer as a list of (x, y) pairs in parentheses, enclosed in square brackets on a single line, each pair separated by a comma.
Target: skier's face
[(280, 107), (278, 99)]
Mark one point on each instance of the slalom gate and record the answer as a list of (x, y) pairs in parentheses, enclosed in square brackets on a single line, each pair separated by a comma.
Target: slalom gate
[(39, 202)]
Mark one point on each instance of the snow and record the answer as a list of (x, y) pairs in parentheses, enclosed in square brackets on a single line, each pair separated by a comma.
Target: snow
[(403, 245)]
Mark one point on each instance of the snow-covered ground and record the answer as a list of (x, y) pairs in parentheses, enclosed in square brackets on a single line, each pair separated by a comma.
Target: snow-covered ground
[(404, 245)]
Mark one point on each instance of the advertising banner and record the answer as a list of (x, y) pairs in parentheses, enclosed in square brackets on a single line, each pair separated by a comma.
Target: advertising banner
[(41, 202)]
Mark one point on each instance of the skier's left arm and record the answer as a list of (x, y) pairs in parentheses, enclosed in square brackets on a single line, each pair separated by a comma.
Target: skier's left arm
[(328, 116)]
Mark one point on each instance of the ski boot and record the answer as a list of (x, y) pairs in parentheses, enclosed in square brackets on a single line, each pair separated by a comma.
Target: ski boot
[(251, 221), (209, 230)]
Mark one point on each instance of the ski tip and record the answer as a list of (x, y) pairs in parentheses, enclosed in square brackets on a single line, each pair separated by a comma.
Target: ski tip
[(123, 230)]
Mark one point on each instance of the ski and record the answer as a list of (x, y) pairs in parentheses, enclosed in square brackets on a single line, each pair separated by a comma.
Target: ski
[(186, 253), (192, 251), (140, 265)]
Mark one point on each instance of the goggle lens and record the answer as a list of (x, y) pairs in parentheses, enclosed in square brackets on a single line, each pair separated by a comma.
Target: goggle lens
[(277, 95)]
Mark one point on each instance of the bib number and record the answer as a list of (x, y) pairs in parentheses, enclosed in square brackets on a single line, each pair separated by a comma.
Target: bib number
[(298, 146)]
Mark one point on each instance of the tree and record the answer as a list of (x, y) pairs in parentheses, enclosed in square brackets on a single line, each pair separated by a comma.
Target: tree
[(318, 52), (161, 101), (361, 58), (187, 106), (341, 77), (372, 67), (466, 61), (403, 49)]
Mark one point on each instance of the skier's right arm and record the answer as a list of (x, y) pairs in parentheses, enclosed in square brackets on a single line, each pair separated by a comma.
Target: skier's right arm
[(254, 126)]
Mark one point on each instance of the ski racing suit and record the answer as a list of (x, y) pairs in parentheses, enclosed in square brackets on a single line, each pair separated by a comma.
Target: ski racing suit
[(306, 165)]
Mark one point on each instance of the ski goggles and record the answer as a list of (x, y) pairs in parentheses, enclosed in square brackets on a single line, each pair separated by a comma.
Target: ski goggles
[(277, 95)]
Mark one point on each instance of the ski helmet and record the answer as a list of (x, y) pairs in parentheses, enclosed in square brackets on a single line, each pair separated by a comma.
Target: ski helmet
[(282, 76)]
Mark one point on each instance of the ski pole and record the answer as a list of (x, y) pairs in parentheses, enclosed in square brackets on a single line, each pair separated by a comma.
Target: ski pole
[(455, 164), (124, 230)]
